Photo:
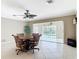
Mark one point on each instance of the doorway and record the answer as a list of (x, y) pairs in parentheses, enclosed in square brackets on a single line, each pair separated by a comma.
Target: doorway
[(51, 31)]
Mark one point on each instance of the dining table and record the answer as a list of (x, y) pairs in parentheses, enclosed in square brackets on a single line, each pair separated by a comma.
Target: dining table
[(25, 38), (27, 41)]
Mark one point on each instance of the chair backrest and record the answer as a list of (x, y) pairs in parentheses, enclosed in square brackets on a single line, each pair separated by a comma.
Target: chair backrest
[(15, 37), (36, 37), (18, 41)]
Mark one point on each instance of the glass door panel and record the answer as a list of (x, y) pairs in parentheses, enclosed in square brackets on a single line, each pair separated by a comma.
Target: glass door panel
[(51, 31)]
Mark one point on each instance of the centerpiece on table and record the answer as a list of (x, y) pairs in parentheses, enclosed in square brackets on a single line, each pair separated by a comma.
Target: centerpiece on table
[(27, 31)]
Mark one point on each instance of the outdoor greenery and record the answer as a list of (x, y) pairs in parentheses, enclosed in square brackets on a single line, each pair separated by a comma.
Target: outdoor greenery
[(49, 31)]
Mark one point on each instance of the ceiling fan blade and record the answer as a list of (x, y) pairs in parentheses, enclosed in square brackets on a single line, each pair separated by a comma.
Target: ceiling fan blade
[(32, 15), (18, 15), (24, 17)]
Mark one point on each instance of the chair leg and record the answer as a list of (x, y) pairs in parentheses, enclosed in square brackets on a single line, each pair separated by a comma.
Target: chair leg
[(33, 51), (18, 51), (37, 48)]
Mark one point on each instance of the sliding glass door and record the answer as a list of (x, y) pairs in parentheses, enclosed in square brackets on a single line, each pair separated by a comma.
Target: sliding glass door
[(51, 31)]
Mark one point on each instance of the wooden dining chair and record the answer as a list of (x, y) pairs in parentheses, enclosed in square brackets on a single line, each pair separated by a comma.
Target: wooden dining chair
[(35, 41), (19, 44)]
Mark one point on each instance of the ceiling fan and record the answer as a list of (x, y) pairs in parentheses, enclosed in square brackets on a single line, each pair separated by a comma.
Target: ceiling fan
[(27, 15)]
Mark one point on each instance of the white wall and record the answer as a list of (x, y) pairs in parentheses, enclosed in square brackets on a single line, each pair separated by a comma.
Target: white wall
[(9, 27)]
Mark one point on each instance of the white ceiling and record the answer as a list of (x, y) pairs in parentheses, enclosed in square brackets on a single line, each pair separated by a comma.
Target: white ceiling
[(39, 7)]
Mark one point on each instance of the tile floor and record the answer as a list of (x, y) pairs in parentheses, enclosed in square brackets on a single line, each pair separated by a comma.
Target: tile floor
[(48, 50)]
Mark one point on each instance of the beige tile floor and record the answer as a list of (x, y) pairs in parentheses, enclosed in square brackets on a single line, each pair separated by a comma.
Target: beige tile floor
[(48, 50)]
